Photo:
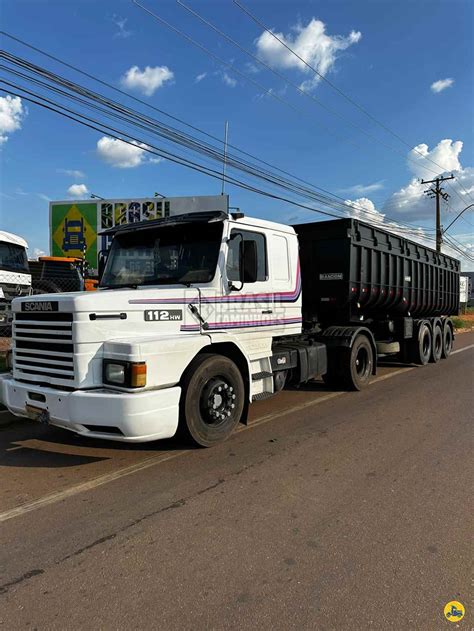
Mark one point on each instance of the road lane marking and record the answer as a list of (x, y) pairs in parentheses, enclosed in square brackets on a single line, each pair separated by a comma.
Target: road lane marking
[(460, 350), (155, 460), (87, 486)]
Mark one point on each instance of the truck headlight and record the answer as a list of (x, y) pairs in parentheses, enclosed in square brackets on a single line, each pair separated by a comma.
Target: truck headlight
[(114, 373), (126, 374)]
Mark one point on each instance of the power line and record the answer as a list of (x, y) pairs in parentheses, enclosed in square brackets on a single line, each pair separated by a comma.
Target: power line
[(339, 91), (305, 93), (229, 66), (347, 208), (457, 217), (245, 76), (127, 138), (460, 250), (181, 121), (269, 91)]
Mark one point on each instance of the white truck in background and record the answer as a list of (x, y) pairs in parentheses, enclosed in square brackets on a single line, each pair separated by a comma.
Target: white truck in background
[(15, 277), (198, 315)]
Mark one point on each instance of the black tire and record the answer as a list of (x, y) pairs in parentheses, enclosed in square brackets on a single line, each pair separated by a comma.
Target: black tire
[(212, 400), (279, 380), (448, 339), (436, 344), (357, 364), (422, 345)]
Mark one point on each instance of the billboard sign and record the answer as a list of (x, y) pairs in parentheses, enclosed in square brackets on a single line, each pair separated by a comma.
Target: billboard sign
[(75, 226)]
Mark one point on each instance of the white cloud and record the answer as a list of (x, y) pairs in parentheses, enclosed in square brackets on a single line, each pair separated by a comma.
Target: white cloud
[(364, 209), (228, 80), (363, 189), (410, 201), (200, 77), (311, 43), (121, 23), (445, 156), (12, 113), (146, 81), (75, 173), (44, 197), (37, 252), (120, 154), (442, 84), (410, 205), (78, 190)]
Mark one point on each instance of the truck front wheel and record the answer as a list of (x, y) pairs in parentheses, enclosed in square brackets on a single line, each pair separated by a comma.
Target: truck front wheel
[(357, 364), (212, 399)]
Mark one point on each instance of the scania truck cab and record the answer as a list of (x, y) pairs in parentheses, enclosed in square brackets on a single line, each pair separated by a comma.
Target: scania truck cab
[(200, 314), (15, 277)]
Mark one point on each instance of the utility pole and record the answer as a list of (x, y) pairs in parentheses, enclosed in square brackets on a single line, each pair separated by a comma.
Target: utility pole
[(438, 192)]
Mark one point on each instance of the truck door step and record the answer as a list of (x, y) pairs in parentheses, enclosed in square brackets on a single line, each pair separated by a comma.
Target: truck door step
[(261, 375), (262, 395)]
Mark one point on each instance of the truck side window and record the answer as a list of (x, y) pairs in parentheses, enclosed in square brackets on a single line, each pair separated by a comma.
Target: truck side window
[(233, 254)]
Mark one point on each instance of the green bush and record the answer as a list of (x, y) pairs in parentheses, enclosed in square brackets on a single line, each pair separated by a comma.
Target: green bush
[(459, 323)]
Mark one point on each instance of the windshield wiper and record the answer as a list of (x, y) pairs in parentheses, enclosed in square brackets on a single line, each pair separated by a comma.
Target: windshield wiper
[(194, 310), (130, 285)]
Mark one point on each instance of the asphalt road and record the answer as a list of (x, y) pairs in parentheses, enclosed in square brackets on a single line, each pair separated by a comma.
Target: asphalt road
[(329, 511)]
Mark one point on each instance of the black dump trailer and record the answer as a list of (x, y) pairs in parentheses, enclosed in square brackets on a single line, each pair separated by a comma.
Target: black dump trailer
[(360, 280)]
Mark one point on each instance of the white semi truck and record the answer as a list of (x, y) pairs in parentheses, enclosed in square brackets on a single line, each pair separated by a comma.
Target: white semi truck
[(200, 314), (15, 277)]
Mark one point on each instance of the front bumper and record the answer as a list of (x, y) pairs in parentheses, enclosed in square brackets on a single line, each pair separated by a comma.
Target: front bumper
[(134, 417)]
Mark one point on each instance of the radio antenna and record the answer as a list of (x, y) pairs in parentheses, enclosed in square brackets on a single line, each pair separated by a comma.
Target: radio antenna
[(226, 132)]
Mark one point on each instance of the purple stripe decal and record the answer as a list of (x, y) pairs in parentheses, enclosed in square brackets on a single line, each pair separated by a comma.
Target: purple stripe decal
[(243, 324)]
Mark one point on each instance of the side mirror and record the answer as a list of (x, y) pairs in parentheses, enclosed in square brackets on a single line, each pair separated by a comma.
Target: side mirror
[(248, 261), (103, 255)]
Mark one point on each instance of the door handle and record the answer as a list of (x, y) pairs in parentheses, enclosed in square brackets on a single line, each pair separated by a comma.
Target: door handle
[(267, 311)]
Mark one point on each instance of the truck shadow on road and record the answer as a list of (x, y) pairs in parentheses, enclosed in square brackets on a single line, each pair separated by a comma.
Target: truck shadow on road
[(28, 445)]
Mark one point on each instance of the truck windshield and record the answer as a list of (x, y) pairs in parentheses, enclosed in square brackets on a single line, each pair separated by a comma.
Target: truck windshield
[(164, 255), (13, 258)]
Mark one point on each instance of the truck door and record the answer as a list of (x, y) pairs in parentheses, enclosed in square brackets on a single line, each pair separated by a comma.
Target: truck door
[(248, 307), (285, 279)]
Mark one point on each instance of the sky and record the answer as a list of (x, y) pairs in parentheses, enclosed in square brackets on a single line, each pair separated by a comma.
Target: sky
[(408, 64)]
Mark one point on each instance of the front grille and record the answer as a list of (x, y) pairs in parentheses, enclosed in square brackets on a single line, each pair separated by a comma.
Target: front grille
[(11, 291), (43, 346)]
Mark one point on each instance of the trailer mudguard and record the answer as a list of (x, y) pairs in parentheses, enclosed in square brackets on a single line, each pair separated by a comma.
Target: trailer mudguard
[(344, 336)]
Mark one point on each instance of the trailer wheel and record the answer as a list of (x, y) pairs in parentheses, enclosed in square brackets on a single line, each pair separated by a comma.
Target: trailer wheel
[(212, 399), (422, 346), (436, 344), (357, 364), (448, 339)]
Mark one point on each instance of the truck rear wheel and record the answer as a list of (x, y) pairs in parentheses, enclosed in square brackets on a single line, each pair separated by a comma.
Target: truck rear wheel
[(422, 346), (436, 344), (357, 364), (448, 339), (212, 399)]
